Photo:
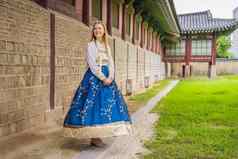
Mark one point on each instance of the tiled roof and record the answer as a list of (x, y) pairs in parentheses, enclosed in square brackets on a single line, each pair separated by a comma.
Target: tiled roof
[(202, 22)]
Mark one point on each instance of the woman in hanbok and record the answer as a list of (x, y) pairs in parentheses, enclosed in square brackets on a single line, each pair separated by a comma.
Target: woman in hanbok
[(98, 108)]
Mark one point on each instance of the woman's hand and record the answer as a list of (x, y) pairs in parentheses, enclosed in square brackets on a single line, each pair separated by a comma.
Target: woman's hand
[(107, 81)]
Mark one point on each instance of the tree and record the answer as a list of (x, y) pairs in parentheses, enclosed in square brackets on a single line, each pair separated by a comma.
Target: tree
[(223, 44)]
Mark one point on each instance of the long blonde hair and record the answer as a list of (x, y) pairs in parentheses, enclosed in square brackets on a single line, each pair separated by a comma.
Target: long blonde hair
[(105, 35)]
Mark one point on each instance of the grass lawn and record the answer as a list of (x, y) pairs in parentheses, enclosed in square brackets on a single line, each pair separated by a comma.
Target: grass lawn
[(198, 120), (138, 100)]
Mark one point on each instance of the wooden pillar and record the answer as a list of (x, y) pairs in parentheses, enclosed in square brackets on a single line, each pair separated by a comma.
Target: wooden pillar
[(104, 11), (151, 40), (212, 63), (154, 41), (109, 16), (87, 10), (188, 49), (139, 33), (123, 21), (142, 35), (158, 44), (213, 59), (188, 53), (132, 26), (163, 53), (146, 37), (52, 61), (79, 9), (134, 30), (120, 18)]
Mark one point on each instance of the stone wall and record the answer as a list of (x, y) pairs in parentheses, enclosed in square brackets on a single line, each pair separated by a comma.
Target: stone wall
[(176, 69), (27, 62), (227, 66), (70, 61), (223, 67), (121, 63), (132, 65), (24, 65), (140, 68), (199, 68)]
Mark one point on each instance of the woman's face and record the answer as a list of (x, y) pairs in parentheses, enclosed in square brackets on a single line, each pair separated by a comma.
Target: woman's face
[(98, 31)]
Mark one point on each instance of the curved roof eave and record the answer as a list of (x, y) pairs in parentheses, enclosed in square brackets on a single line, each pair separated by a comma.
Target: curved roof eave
[(207, 24)]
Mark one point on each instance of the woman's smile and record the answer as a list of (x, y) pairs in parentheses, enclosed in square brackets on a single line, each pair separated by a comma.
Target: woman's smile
[(98, 31)]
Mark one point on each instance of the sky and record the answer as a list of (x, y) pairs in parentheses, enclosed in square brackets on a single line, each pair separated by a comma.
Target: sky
[(218, 8)]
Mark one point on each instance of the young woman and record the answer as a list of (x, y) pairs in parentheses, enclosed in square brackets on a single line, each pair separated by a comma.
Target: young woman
[(98, 108)]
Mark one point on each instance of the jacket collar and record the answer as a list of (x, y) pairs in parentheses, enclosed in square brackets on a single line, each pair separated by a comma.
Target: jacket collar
[(93, 43)]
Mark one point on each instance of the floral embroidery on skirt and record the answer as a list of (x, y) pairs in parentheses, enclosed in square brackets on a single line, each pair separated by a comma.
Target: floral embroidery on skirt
[(97, 110)]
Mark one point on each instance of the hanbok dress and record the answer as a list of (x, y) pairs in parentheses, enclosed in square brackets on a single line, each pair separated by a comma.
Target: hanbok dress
[(97, 110)]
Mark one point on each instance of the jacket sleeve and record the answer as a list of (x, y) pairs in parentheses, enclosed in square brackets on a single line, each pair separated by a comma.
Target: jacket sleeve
[(94, 67), (111, 65)]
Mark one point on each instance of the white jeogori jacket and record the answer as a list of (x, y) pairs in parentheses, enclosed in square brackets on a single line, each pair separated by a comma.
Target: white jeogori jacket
[(96, 56)]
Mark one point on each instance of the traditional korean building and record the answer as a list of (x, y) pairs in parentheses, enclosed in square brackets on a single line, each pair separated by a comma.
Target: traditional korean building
[(197, 44)]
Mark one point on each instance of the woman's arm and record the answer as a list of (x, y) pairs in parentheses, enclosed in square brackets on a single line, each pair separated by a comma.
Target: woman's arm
[(111, 65), (94, 67)]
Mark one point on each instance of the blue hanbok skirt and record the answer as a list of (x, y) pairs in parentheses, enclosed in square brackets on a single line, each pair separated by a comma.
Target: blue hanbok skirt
[(97, 110)]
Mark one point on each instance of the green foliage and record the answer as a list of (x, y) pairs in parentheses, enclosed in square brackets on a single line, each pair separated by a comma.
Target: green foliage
[(223, 44)]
